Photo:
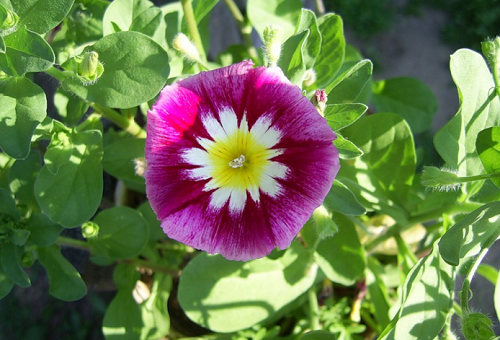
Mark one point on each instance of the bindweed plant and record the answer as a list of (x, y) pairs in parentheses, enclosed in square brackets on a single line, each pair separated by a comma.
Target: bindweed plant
[(270, 193)]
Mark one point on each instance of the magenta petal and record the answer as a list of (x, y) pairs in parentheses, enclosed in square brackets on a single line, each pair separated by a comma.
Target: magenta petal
[(238, 159)]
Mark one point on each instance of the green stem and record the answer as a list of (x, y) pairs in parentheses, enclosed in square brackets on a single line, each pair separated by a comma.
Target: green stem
[(127, 124), (421, 218), (496, 78), (478, 177), (187, 7), (245, 28), (313, 308), (464, 292), (73, 243), (57, 73)]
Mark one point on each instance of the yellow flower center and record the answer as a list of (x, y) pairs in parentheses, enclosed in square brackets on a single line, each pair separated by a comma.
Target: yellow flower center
[(237, 160)]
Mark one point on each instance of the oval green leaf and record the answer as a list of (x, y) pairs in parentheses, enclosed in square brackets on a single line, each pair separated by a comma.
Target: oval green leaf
[(41, 16), (139, 75), (488, 148), (23, 107), (211, 288), (123, 234), (26, 51), (72, 195), (334, 253), (65, 282), (409, 98)]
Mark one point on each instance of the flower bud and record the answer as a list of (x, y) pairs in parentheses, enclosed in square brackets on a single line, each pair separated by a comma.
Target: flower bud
[(439, 179), (477, 326), (186, 47), (273, 35), (491, 50), (90, 229), (319, 100), (86, 67), (8, 21)]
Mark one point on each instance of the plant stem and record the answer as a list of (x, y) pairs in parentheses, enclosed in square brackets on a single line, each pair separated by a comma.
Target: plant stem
[(57, 73), (496, 79), (421, 218), (320, 7), (73, 243), (313, 308), (187, 7), (479, 177), (464, 292), (127, 124), (245, 28)]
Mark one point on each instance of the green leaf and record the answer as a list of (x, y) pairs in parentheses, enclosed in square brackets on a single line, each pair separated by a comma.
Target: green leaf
[(10, 259), (85, 21), (211, 287), (41, 16), (340, 116), (318, 335), (467, 237), (332, 51), (22, 179), (292, 57), (69, 107), (489, 272), (19, 237), (6, 284), (333, 253), (3, 47), (43, 232), (137, 78), (308, 21), (389, 153), (496, 297), (319, 226), (65, 282), (342, 200), (59, 151), (26, 51), (155, 231), (479, 109), (346, 148), (276, 12), (118, 161), (127, 318), (427, 297), (123, 234), (488, 148), (23, 107), (8, 205), (409, 98), (136, 15), (72, 196), (347, 87), (378, 292)]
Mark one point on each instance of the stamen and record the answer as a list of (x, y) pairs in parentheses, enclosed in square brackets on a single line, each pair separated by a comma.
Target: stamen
[(237, 162)]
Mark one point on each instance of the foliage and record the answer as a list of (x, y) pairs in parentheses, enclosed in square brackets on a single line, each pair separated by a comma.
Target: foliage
[(380, 257)]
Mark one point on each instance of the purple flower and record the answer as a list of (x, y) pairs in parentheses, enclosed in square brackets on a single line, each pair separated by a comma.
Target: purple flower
[(237, 160)]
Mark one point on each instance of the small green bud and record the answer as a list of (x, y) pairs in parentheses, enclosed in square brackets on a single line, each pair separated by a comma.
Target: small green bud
[(186, 47), (90, 229), (439, 179), (27, 259), (477, 326), (491, 50), (89, 67), (273, 36), (9, 21)]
